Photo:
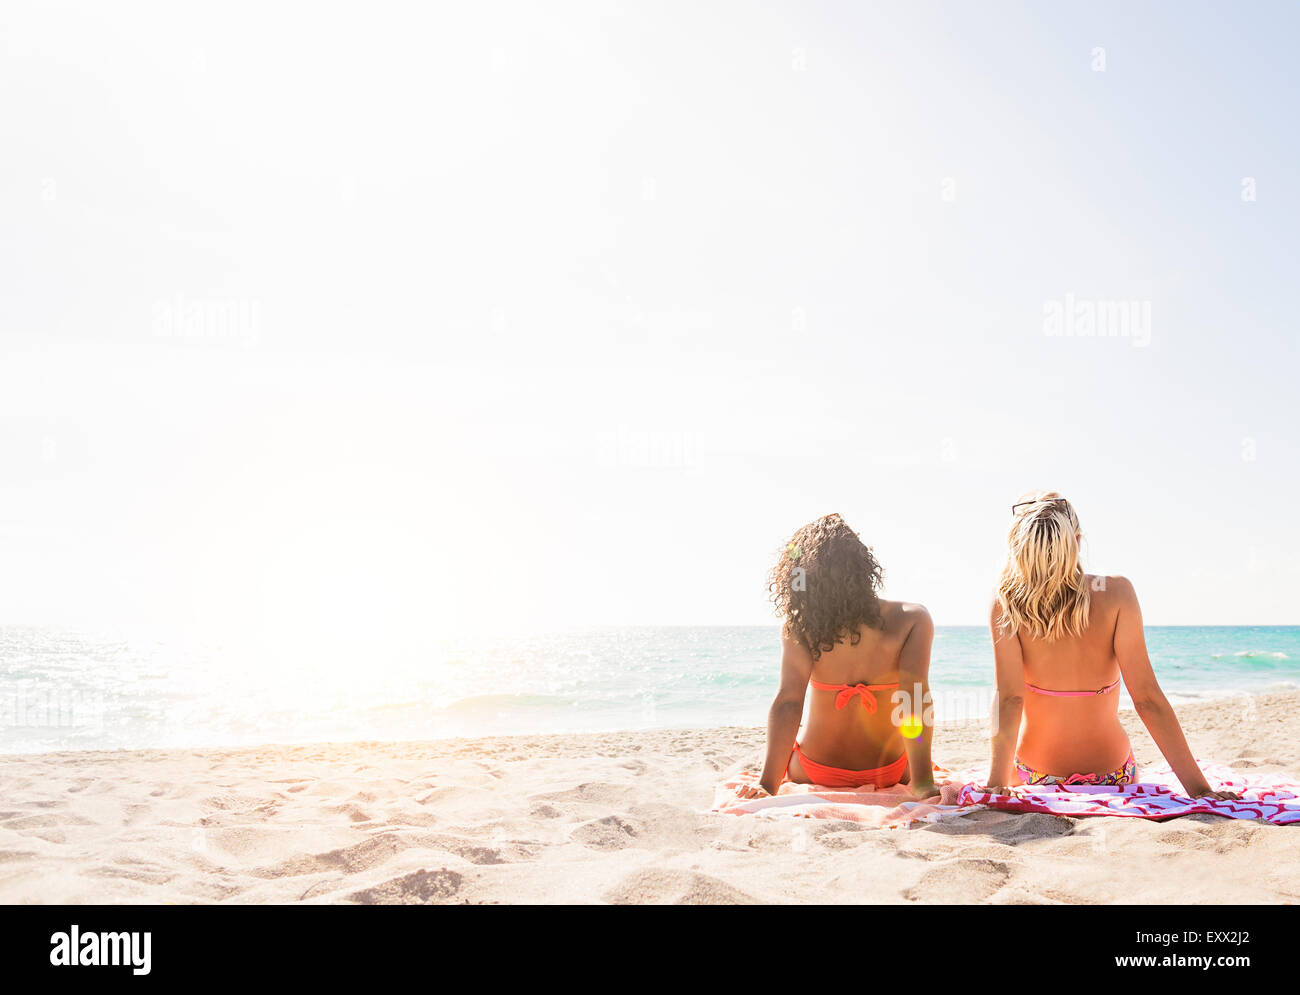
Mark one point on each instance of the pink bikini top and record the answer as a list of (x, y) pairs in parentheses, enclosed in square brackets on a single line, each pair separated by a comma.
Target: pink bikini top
[(1073, 694)]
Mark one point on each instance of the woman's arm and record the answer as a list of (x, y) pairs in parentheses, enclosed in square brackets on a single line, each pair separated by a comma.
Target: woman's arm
[(785, 714), (1008, 703), (914, 679), (1152, 707)]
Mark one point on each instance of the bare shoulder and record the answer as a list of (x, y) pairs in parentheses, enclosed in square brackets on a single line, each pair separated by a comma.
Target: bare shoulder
[(995, 609), (999, 628), (791, 644), (904, 616), (794, 654), (1112, 589)]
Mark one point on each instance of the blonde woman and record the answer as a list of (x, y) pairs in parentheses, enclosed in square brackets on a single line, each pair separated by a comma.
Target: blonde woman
[(1062, 640)]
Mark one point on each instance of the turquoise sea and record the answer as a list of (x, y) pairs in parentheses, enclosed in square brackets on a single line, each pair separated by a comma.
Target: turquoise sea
[(67, 690)]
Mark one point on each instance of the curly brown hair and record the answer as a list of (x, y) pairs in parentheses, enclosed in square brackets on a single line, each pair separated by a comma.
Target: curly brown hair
[(824, 584)]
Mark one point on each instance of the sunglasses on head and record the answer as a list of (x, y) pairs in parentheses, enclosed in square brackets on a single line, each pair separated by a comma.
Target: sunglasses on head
[(1022, 504)]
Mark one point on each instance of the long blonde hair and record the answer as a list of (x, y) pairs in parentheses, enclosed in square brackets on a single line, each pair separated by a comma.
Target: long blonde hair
[(1043, 591)]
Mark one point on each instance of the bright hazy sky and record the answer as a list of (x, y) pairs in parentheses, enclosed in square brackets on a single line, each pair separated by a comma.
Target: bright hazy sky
[(353, 319)]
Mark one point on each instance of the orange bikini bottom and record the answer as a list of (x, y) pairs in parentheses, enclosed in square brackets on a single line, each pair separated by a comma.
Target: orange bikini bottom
[(838, 777)]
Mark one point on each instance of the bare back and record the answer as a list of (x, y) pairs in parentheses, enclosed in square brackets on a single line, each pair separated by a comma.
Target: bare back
[(1062, 735), (856, 737)]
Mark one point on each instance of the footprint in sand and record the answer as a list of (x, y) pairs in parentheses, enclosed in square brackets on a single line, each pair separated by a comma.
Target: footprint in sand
[(595, 792), (1229, 836), (1011, 828), (231, 803), (349, 859), (26, 823), (842, 836), (421, 888), (132, 871), (675, 888), (1183, 839), (353, 812), (408, 820), (466, 849), (1034, 826), (609, 833), (1243, 762), (960, 881)]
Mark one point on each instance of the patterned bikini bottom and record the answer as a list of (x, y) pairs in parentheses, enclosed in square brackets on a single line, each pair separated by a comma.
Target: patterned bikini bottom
[(1127, 774)]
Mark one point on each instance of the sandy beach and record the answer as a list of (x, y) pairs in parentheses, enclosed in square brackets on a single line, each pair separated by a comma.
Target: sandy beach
[(598, 818)]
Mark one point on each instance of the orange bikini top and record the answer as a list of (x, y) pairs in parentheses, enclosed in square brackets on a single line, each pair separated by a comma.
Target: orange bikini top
[(847, 692)]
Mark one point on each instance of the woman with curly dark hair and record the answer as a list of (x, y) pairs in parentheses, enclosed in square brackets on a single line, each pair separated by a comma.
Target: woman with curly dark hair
[(868, 661)]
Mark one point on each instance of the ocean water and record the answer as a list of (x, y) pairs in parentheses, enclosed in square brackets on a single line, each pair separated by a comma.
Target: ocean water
[(73, 690)]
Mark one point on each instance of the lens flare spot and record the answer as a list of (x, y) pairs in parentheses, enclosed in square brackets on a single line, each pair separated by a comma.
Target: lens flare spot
[(911, 727)]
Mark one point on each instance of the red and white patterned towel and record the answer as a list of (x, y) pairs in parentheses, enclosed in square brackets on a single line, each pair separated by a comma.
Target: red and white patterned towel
[(1267, 797)]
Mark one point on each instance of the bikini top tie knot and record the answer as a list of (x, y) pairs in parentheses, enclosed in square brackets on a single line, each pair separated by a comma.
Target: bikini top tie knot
[(860, 690), (844, 693)]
